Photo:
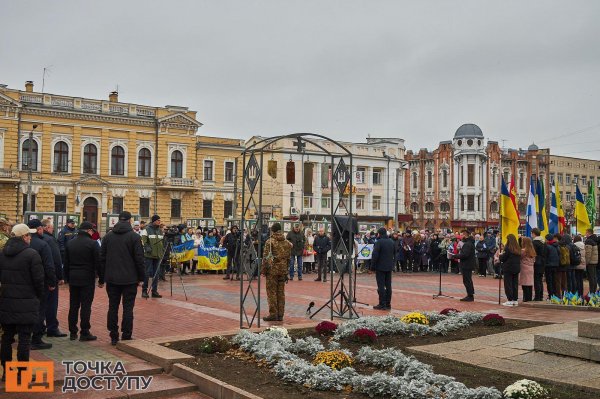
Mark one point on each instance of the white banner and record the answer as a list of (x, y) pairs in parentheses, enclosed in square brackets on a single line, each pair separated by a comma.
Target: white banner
[(365, 251)]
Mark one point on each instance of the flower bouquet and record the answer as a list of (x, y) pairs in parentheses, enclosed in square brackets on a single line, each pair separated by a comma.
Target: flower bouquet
[(415, 317), (337, 359), (326, 328)]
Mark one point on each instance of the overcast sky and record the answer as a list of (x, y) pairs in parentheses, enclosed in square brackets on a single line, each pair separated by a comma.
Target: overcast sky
[(522, 70)]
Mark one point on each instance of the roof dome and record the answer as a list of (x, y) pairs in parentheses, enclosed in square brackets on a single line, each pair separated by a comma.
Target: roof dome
[(468, 130), (532, 147)]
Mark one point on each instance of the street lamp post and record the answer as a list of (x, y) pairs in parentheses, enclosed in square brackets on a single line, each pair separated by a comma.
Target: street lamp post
[(29, 171)]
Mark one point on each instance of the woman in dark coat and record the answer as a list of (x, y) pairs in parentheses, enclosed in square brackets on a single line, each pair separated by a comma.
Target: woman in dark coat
[(22, 279), (511, 267)]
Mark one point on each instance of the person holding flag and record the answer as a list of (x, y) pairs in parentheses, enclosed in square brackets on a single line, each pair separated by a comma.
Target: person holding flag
[(557, 215), (540, 196), (581, 214)]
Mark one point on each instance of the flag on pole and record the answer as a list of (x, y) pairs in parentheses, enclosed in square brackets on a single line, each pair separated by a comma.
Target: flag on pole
[(513, 198), (590, 203), (557, 215), (581, 215), (541, 202), (531, 219), (508, 214)]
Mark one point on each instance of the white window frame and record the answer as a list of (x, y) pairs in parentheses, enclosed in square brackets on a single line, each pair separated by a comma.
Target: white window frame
[(67, 141), (184, 154), (360, 174), (360, 199), (126, 160), (37, 137), (377, 201), (378, 171), (95, 142), (152, 158), (225, 171), (212, 179), (327, 201)]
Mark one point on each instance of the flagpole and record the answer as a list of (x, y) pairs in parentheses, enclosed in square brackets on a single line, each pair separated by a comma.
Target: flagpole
[(500, 265)]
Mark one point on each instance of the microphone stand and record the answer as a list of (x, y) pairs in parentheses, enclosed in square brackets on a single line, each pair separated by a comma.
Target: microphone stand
[(439, 294)]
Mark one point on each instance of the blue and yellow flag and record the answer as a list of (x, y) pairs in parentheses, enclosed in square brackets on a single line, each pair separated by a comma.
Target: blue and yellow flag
[(212, 258), (508, 214), (581, 214), (184, 252)]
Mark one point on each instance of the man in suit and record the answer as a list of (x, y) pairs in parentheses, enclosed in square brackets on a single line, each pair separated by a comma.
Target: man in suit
[(382, 261)]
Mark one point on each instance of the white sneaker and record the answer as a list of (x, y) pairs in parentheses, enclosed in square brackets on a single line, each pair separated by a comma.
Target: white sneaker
[(515, 303), (507, 303)]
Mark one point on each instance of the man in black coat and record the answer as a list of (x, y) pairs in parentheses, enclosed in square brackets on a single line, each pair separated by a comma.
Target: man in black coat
[(52, 299), (82, 264), (322, 245), (68, 232), (38, 243), (467, 264), (122, 268), (382, 261), (231, 243), (22, 279)]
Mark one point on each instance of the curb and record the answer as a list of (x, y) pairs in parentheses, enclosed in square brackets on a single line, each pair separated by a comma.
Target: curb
[(210, 386), (154, 353)]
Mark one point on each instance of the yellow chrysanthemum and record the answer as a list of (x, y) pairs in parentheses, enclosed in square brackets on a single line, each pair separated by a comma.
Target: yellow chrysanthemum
[(337, 360), (415, 317)]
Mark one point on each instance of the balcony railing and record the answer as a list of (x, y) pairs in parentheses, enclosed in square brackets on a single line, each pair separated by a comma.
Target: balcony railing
[(178, 182), (9, 173)]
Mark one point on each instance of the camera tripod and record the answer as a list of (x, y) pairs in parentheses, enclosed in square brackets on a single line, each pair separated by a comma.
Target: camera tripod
[(169, 250)]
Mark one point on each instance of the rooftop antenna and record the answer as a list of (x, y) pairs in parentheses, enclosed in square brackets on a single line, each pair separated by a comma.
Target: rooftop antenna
[(503, 142), (47, 71)]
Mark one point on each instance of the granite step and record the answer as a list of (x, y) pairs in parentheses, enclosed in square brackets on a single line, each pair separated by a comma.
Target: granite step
[(568, 343), (589, 328)]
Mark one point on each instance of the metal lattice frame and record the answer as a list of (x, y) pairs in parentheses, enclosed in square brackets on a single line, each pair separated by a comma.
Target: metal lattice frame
[(252, 192)]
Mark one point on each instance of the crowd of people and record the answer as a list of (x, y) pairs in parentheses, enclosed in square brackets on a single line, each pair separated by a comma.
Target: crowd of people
[(33, 263)]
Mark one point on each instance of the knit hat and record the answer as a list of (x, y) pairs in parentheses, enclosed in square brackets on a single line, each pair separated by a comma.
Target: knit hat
[(124, 216), (155, 218), (34, 223), (86, 226)]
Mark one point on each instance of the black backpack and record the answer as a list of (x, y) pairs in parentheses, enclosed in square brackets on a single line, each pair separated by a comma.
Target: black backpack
[(575, 255)]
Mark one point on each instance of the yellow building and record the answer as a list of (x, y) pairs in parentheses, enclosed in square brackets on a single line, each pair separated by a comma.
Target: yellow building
[(220, 166), (96, 158)]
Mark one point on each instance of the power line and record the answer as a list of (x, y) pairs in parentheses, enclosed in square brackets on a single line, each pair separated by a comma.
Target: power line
[(583, 130)]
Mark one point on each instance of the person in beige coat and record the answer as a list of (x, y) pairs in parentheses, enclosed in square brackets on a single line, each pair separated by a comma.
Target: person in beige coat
[(528, 255), (580, 268)]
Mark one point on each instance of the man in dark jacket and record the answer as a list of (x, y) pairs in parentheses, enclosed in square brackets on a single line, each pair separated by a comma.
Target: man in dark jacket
[(552, 261), (68, 232), (82, 264), (591, 258), (231, 243), (52, 299), (382, 261), (122, 268), (467, 264), (321, 246), (22, 279), (539, 265), (298, 240), (154, 253), (38, 243)]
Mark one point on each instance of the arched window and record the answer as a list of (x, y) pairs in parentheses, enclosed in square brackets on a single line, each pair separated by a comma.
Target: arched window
[(61, 157), (90, 159), (117, 161), (445, 207), (429, 179), (414, 207), (176, 164), (494, 207), (144, 162), (429, 207), (414, 179), (27, 163)]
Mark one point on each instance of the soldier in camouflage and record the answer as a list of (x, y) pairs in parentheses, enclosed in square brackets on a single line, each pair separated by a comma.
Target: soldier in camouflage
[(4, 232), (279, 250)]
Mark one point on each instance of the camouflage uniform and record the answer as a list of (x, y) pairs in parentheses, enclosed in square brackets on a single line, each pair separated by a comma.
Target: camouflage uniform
[(277, 274), (3, 238)]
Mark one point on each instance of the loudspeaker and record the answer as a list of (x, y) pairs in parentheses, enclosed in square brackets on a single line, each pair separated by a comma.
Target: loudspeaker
[(344, 228)]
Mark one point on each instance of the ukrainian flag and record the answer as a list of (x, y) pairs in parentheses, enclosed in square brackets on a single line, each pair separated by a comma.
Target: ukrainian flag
[(508, 214), (184, 252), (581, 214), (212, 258)]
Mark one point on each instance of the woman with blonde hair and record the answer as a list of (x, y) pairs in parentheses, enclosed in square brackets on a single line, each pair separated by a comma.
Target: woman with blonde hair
[(528, 255), (511, 266)]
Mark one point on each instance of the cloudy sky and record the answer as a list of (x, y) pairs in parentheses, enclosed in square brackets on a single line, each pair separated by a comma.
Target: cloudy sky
[(522, 70)]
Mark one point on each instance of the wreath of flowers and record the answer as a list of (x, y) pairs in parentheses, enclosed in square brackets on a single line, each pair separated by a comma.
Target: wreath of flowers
[(415, 317), (335, 359), (574, 299)]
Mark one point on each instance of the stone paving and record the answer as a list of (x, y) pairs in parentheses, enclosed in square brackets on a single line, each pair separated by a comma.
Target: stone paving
[(513, 352), (213, 307)]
